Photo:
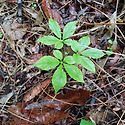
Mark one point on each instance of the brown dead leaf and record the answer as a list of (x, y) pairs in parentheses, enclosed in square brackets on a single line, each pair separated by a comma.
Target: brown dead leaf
[(48, 111), (42, 115), (61, 101), (36, 90), (18, 117), (96, 115), (33, 58), (111, 28), (1, 75), (38, 29), (112, 61), (14, 30), (37, 15), (47, 115), (52, 13)]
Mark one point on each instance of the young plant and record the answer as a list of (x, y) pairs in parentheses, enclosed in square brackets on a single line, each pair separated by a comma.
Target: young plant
[(34, 5), (109, 49), (63, 62), (1, 35)]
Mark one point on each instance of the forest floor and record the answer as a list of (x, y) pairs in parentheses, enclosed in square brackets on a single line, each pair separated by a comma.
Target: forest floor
[(26, 93)]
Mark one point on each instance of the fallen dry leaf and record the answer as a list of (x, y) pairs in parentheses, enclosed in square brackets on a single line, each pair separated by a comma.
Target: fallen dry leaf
[(61, 101), (52, 13), (46, 115), (42, 115), (37, 15), (14, 30), (18, 117), (36, 90), (49, 110), (111, 28), (33, 58), (1, 75)]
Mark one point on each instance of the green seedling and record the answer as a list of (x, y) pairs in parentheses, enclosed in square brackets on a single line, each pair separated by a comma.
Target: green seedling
[(34, 5), (109, 49), (110, 41), (120, 20), (84, 122), (63, 62), (1, 35)]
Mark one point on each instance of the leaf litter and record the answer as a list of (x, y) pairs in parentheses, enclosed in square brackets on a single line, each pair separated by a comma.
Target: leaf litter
[(27, 98)]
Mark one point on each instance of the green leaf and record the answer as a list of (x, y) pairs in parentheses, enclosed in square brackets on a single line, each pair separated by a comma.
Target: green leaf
[(59, 79), (84, 122), (110, 41), (54, 26), (57, 54), (69, 29), (77, 58), (74, 72), (58, 45), (93, 53), (84, 42), (48, 40), (88, 64), (109, 48), (68, 42), (108, 52), (46, 63), (75, 46), (1, 35), (69, 60)]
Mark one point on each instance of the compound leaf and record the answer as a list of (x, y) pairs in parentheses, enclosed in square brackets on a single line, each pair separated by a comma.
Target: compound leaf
[(46, 63), (69, 60), (59, 79), (48, 40), (93, 53), (57, 54), (69, 29), (74, 72), (54, 26), (88, 64)]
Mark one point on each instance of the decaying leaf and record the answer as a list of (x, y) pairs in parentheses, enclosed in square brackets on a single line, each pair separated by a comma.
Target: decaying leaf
[(42, 115), (47, 115), (36, 90), (52, 13), (5, 98), (33, 58), (100, 115), (109, 33), (76, 96), (38, 29), (14, 30), (1, 75), (48, 110), (18, 117), (37, 15)]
